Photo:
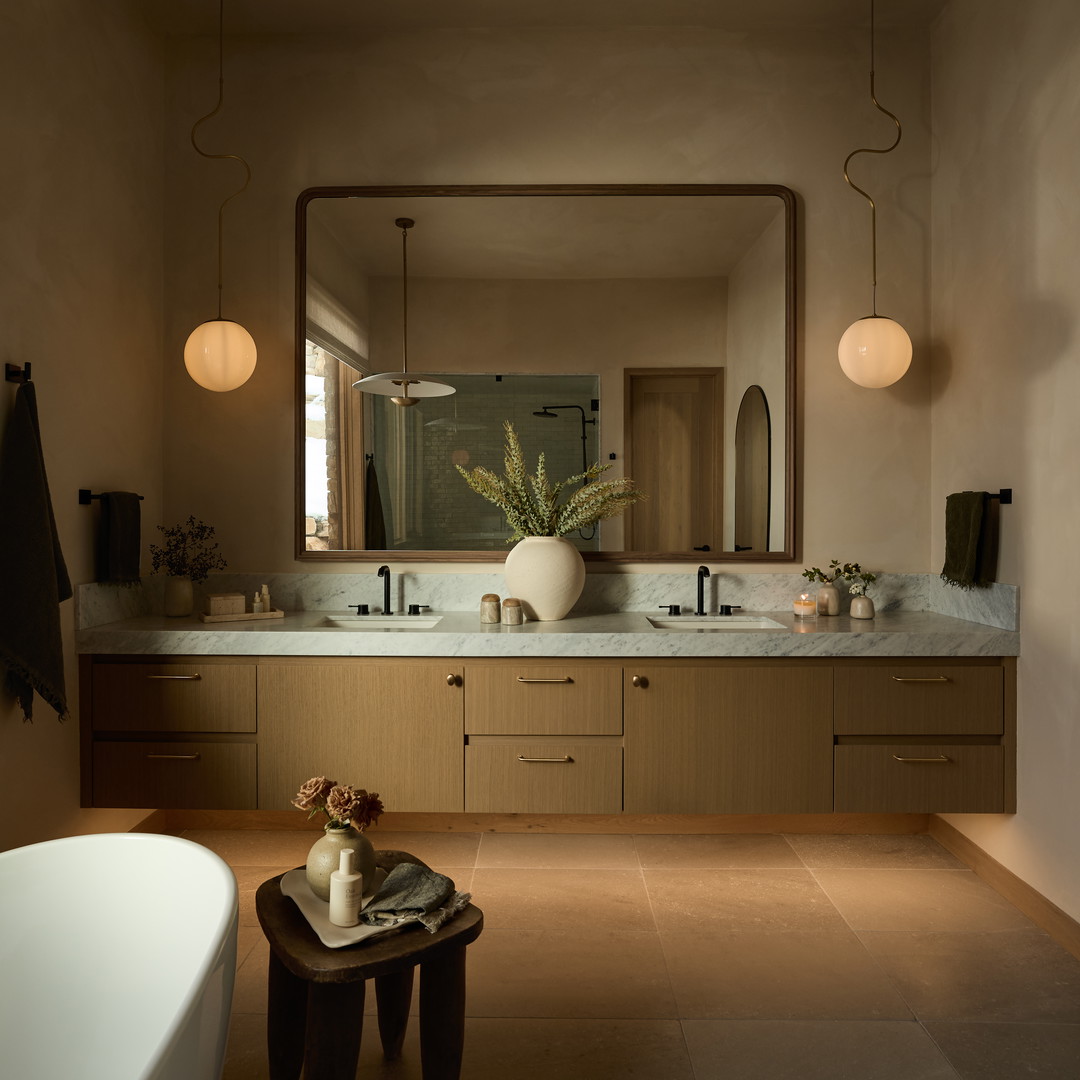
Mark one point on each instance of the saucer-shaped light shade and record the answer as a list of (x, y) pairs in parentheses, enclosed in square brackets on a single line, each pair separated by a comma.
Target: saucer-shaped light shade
[(220, 355), (391, 382), (875, 352)]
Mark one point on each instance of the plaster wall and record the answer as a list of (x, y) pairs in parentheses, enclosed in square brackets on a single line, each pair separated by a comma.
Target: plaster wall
[(553, 105), (80, 297), (1006, 374)]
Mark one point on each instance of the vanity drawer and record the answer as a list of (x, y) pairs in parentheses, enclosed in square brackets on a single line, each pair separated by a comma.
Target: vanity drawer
[(176, 775), (543, 699), (916, 778), (198, 696), (543, 776), (924, 699)]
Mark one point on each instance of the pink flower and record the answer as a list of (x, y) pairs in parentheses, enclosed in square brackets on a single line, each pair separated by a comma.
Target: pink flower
[(313, 794)]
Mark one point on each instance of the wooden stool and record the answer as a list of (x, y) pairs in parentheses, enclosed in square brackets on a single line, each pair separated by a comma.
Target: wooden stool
[(315, 1006)]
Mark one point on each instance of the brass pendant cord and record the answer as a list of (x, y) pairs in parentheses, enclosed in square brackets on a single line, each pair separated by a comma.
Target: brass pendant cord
[(873, 150), (404, 224), (221, 157)]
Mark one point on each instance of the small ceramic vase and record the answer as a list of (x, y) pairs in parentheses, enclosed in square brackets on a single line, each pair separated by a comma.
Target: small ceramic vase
[(862, 607), (179, 596), (828, 600), (325, 856)]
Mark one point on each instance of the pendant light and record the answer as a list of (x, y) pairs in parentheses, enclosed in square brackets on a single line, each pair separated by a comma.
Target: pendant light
[(875, 351), (401, 387), (220, 354)]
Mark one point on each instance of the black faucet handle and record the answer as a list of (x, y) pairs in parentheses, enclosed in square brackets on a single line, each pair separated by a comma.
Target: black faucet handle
[(727, 609), (415, 609), (361, 609), (672, 609)]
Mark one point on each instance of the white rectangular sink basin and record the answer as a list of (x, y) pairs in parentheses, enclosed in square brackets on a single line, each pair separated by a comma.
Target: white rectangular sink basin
[(714, 622), (382, 622)]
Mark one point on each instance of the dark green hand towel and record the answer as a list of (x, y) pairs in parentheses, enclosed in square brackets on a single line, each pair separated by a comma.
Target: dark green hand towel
[(119, 538), (35, 577), (970, 547)]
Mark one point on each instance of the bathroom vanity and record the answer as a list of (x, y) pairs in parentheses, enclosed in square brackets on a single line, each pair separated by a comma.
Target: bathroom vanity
[(593, 715)]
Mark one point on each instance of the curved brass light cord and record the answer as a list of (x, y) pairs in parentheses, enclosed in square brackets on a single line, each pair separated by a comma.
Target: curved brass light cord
[(873, 150), (222, 157)]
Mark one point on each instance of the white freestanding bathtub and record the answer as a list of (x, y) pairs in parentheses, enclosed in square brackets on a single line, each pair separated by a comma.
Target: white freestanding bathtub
[(117, 959)]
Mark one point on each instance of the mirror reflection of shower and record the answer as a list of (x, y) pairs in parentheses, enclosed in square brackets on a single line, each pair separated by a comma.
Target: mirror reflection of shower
[(550, 412)]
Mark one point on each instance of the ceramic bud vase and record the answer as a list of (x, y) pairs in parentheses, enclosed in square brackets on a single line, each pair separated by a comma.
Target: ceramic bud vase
[(325, 857), (828, 600), (862, 607), (547, 574), (179, 596)]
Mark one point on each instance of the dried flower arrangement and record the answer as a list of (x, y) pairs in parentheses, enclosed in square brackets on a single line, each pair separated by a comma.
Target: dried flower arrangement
[(531, 502), (857, 579), (189, 551), (343, 805)]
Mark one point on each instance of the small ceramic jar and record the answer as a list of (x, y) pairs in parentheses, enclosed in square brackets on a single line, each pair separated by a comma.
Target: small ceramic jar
[(512, 615), (862, 607), (489, 608)]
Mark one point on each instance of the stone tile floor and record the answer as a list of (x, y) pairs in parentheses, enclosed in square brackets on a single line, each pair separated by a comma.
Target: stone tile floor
[(709, 957)]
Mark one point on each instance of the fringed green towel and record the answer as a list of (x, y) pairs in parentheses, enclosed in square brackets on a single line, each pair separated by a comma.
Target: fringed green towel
[(970, 550)]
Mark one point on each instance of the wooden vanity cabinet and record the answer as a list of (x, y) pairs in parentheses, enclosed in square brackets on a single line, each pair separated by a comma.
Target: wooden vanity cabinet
[(924, 737), (387, 725), (171, 734), (727, 737), (543, 737)]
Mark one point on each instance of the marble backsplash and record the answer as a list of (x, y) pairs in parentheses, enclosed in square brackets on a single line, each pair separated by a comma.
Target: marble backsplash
[(998, 605)]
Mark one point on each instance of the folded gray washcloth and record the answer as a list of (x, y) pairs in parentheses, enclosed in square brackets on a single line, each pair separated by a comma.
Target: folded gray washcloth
[(414, 893)]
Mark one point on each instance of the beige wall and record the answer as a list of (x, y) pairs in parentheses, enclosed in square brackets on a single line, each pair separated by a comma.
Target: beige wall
[(1006, 286), (549, 105), (80, 297)]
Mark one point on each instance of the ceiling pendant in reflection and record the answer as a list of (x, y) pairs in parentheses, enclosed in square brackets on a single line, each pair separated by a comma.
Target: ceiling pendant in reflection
[(220, 354), (402, 387), (875, 351)]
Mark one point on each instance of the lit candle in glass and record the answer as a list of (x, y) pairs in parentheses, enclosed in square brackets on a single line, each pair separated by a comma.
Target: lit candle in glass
[(805, 607)]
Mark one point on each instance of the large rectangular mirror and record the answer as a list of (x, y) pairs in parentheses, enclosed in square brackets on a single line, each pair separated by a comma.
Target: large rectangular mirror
[(646, 327)]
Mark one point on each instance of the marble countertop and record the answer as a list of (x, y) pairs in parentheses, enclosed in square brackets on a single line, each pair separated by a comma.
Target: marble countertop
[(627, 634)]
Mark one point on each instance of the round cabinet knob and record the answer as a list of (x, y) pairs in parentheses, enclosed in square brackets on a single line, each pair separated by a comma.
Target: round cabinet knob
[(639, 681), (452, 680)]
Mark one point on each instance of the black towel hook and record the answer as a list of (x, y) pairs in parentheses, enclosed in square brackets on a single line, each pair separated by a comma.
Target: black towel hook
[(14, 373), (1004, 496)]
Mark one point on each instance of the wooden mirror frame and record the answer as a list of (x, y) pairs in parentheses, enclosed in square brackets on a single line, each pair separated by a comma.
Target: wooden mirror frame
[(786, 195)]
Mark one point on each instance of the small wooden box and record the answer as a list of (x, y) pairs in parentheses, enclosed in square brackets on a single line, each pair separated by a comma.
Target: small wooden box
[(230, 603)]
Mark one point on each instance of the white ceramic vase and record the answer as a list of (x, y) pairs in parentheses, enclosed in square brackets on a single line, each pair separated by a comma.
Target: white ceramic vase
[(828, 599), (179, 596), (862, 607), (325, 857), (547, 574)]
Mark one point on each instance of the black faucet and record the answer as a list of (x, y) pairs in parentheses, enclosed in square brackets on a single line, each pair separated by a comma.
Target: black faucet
[(384, 573), (702, 574)]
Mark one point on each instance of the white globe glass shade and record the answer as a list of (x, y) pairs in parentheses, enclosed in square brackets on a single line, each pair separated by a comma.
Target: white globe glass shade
[(875, 352), (220, 355)]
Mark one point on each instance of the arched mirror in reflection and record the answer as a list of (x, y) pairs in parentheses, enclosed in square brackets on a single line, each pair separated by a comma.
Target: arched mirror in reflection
[(530, 299), (753, 472)]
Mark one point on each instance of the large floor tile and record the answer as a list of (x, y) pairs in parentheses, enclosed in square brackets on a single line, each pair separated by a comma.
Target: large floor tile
[(866, 852), (248, 880), (257, 847), (980, 1051), (917, 899), (1006, 976), (740, 900), (778, 976), (440, 850), (545, 851), (570, 974), (813, 1050), (562, 899), (249, 993), (245, 1055), (736, 850)]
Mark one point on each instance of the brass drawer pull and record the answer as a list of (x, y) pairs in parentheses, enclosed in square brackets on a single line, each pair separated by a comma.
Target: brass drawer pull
[(556, 679), (913, 678), (941, 759), (172, 757), (182, 678), (567, 760), (640, 681)]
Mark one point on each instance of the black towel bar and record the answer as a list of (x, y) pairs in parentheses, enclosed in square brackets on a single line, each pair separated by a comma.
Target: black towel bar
[(85, 497), (1004, 496), (16, 374)]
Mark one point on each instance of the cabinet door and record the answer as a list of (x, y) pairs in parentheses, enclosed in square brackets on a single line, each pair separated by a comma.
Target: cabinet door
[(391, 727), (722, 739)]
